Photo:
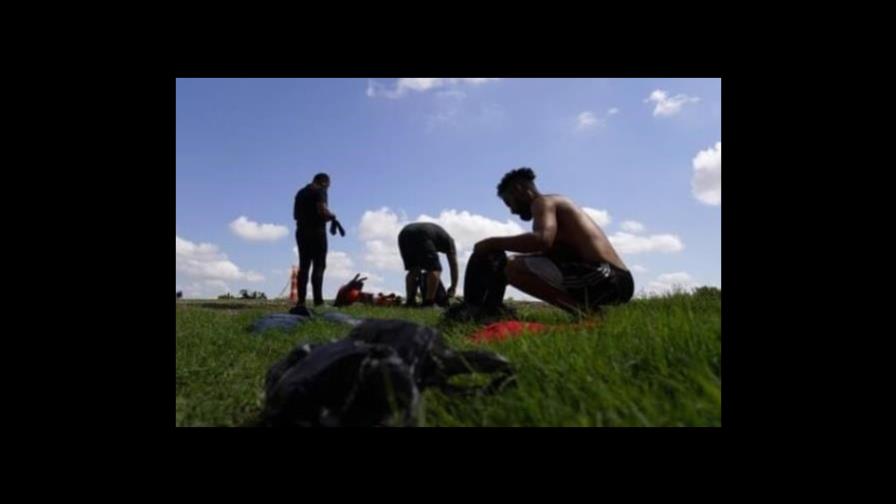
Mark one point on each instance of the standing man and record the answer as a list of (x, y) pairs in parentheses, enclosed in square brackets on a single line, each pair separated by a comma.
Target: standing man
[(420, 244), (311, 214)]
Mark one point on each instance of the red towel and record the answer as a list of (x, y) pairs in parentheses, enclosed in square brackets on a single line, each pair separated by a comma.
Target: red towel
[(500, 331)]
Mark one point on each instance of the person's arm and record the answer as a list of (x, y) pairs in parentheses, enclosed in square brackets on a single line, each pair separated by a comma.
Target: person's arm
[(544, 232), (322, 208), (324, 211), (452, 264)]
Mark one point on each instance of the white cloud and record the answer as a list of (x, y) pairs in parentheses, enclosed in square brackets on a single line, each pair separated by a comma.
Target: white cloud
[(669, 283), (217, 284), (341, 267), (403, 86), (206, 289), (632, 226), (666, 106), (253, 231), (706, 183), (384, 255), (587, 120), (449, 108), (626, 243), (467, 228), (379, 230), (252, 276), (601, 217), (419, 84), (452, 112), (379, 224), (373, 88), (205, 262), (637, 268)]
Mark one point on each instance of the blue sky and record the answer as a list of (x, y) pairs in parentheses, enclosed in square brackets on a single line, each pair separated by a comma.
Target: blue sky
[(643, 150)]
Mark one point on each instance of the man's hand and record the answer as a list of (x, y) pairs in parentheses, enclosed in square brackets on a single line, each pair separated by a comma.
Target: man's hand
[(485, 246)]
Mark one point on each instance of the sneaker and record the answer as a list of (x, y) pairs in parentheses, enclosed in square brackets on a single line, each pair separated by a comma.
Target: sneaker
[(301, 310), (462, 312), (507, 312), (469, 313)]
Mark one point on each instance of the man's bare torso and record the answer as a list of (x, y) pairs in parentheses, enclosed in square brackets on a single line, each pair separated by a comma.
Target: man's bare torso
[(578, 236)]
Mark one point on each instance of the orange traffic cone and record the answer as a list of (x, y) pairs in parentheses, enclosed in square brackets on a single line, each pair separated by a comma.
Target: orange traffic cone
[(294, 289)]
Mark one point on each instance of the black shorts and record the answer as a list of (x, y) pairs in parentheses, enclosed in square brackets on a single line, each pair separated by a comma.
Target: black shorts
[(418, 252), (590, 283)]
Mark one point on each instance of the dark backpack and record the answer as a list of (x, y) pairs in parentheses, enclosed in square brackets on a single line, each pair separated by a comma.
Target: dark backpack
[(484, 279), (484, 286), (372, 377)]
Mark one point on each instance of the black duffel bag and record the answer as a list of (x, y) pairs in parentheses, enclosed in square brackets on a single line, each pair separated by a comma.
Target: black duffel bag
[(373, 377)]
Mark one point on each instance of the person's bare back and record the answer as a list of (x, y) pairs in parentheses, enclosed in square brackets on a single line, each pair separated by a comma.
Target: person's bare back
[(578, 236)]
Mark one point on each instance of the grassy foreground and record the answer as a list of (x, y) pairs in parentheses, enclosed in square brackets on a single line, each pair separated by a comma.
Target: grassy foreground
[(651, 362)]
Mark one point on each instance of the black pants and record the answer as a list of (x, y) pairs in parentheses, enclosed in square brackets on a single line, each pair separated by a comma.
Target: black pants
[(312, 244)]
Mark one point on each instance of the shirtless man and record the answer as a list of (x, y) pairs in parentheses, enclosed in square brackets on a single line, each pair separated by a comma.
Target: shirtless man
[(569, 261)]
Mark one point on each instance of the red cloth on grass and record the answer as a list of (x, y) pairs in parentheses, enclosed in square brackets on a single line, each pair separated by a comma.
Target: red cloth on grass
[(500, 331)]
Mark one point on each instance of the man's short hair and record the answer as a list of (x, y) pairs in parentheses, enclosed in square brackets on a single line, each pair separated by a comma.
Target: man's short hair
[(321, 177), (522, 175)]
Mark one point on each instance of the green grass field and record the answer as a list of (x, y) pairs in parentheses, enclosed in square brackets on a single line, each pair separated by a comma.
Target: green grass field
[(652, 362)]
